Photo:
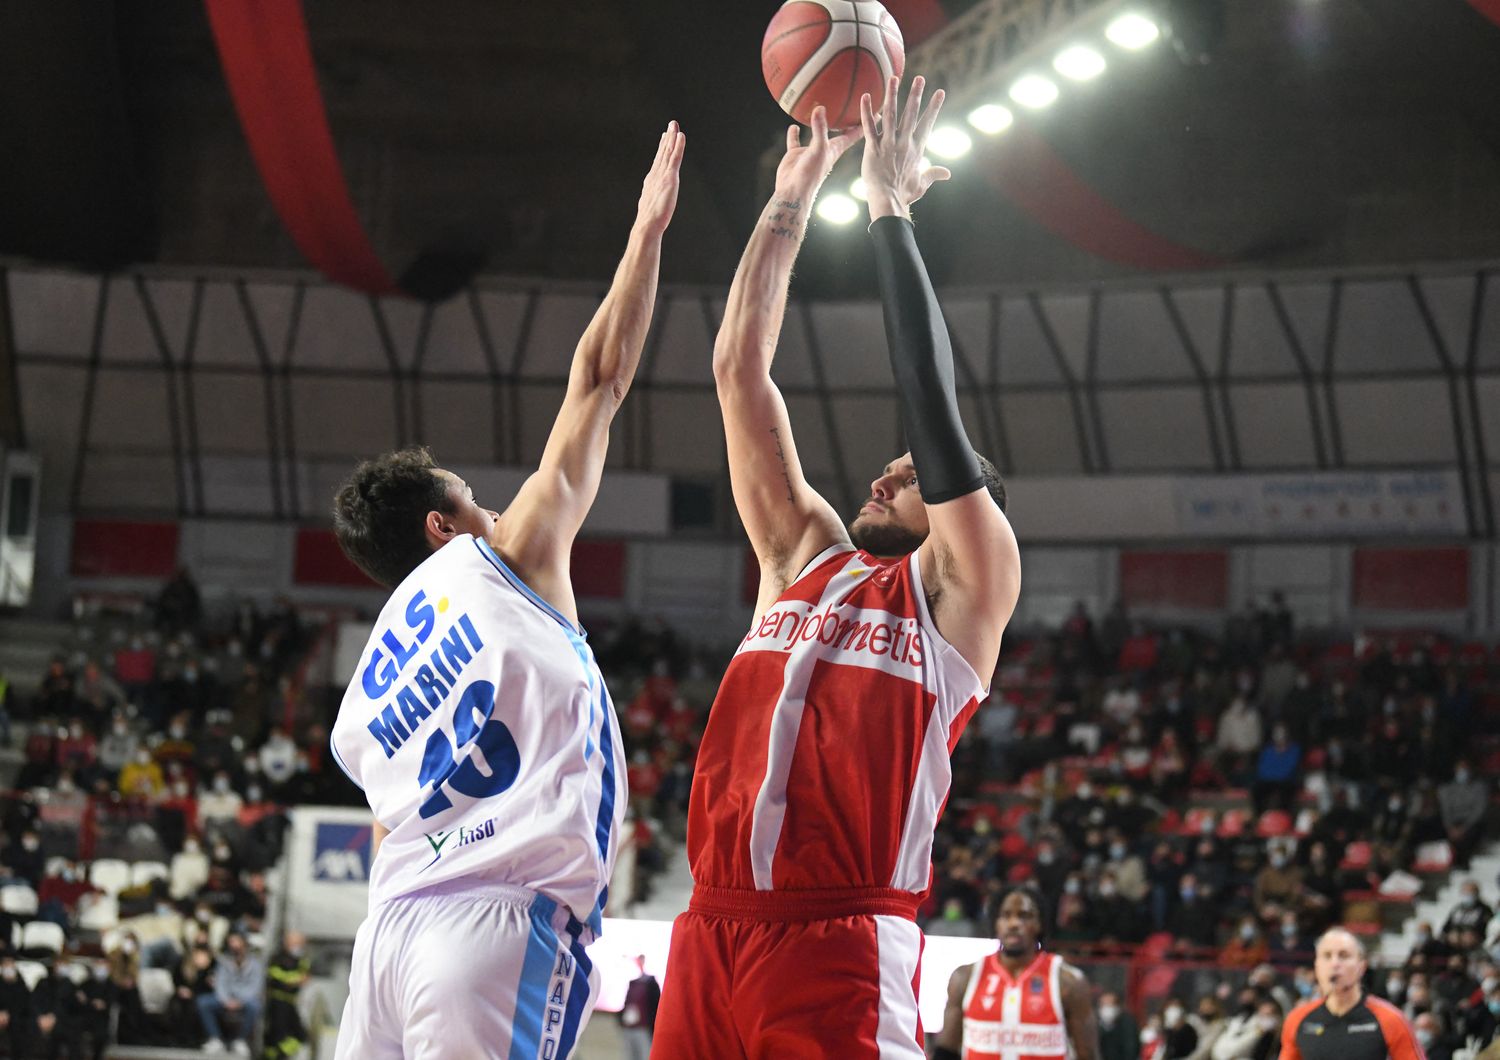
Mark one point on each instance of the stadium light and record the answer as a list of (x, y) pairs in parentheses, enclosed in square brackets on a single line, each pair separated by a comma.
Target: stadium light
[(1132, 31), (1034, 91), (837, 209), (858, 189), (949, 141), (1079, 63), (991, 119)]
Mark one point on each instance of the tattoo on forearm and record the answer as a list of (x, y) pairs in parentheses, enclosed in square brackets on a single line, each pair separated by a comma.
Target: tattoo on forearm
[(783, 217), (786, 471)]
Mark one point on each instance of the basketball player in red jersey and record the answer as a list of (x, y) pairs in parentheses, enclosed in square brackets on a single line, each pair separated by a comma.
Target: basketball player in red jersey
[(824, 765), (1021, 1003)]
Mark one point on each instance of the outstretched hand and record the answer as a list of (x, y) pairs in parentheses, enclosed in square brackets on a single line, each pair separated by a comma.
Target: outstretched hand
[(803, 169), (659, 191), (894, 142)]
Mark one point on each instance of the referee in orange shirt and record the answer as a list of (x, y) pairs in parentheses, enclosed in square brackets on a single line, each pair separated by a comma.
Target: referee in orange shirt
[(1346, 1024)]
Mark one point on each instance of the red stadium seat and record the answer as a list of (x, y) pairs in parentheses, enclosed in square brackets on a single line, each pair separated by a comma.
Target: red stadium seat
[(1273, 823), (1192, 823), (1356, 857), (1233, 824)]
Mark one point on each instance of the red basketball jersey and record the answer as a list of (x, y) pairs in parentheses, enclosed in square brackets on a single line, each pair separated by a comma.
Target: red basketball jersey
[(825, 760), (1015, 1019)]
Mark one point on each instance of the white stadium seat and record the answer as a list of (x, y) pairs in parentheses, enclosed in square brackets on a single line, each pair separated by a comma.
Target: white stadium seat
[(143, 872), (110, 875), (18, 899), (43, 935)]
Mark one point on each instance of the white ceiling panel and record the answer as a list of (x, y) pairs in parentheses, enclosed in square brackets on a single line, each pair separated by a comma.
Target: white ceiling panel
[(1395, 423), (1380, 330), (53, 312), (1155, 429), (1273, 425)]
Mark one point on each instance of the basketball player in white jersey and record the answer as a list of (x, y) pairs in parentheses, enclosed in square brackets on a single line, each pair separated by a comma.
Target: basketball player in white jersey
[(1020, 1003), (479, 727)]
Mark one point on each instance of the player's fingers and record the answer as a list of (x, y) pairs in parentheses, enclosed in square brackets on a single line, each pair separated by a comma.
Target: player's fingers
[(888, 105), (913, 105), (678, 147), (867, 116), (932, 174), (929, 119), (794, 137), (819, 125)]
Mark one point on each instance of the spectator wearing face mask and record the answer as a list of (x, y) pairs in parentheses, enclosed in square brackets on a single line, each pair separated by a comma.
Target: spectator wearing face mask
[(1277, 771), (25, 858), (1278, 886), (1208, 1020), (1179, 1036), (1436, 1043), (1241, 1033), (278, 757), (62, 891), (1288, 946), (1195, 919), (98, 996), (1115, 917), (1075, 920), (55, 1003), (118, 747), (1470, 913), (1119, 1037), (1463, 802), (124, 974), (239, 977), (142, 777), (220, 805), (15, 1008), (1247, 948)]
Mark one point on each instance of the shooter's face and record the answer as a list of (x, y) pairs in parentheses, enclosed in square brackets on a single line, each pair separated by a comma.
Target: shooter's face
[(893, 521)]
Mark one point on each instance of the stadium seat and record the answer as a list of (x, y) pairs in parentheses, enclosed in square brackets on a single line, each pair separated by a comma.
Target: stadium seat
[(1233, 823), (156, 989), (55, 866), (1433, 857), (1192, 823), (110, 875), (188, 873), (18, 899), (143, 872), (1273, 823), (32, 972), (1356, 857), (42, 935), (98, 912)]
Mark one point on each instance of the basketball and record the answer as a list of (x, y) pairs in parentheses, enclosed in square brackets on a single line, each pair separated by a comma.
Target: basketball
[(829, 53)]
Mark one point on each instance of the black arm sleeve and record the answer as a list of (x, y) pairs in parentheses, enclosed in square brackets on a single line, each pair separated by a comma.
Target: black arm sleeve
[(922, 363)]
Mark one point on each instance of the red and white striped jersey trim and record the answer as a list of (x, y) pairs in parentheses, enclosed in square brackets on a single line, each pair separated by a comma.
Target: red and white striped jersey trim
[(825, 762)]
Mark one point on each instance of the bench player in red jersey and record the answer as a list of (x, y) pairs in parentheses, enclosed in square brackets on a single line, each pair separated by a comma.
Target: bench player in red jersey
[(1021, 1003), (824, 766)]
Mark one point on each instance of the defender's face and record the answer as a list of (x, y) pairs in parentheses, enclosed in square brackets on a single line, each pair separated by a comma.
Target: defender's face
[(466, 516), (894, 515)]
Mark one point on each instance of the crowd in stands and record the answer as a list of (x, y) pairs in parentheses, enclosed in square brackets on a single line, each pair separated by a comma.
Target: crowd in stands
[(148, 808)]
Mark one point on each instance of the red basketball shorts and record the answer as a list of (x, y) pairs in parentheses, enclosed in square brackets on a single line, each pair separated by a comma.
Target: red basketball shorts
[(768, 975)]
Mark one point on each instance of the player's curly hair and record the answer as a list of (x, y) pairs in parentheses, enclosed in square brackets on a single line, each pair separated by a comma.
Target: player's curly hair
[(378, 514), (1032, 894)]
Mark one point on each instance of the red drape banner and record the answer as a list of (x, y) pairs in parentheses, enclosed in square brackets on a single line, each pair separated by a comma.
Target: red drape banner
[(263, 48), (1490, 9)]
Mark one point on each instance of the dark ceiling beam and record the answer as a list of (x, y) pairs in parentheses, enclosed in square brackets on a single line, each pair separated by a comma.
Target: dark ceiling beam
[(12, 430)]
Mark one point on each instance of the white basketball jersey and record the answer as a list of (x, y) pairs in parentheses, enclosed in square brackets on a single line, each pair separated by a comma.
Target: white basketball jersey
[(479, 727)]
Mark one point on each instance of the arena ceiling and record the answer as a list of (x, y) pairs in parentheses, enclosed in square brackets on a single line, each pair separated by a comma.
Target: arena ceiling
[(1263, 133), (1268, 243)]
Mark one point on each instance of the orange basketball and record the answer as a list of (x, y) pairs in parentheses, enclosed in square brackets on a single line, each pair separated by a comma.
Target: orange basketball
[(829, 53)]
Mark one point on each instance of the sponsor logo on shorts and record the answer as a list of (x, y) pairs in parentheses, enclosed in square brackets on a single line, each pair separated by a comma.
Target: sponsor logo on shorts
[(456, 838)]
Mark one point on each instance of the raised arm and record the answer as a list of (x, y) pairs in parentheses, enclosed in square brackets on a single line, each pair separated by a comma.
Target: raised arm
[(787, 521), (971, 567), (536, 532)]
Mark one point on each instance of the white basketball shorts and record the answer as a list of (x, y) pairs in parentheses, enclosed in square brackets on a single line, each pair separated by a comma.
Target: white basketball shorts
[(467, 970)]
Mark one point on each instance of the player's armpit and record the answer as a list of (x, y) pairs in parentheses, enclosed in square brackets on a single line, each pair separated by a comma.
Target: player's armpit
[(378, 832), (952, 1036), (787, 521)]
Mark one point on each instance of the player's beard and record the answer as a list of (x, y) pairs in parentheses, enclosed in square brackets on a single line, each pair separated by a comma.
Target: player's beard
[(884, 539)]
